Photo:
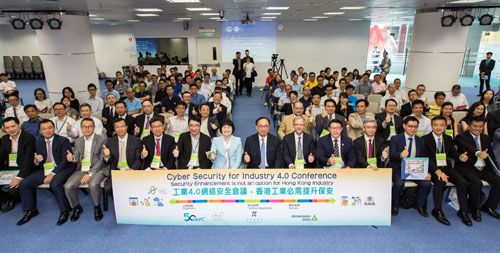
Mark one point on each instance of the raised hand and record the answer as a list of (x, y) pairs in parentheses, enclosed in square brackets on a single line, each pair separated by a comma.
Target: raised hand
[(69, 155), (38, 158), (137, 130), (246, 158), (144, 152), (105, 151), (405, 153), (176, 152), (310, 158), (463, 157)]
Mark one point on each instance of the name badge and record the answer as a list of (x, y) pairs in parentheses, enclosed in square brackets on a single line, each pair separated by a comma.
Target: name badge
[(299, 163), (86, 165), (449, 132), (145, 132), (419, 134), (155, 164), (441, 159), (48, 168), (177, 135), (392, 129), (122, 165), (337, 163), (372, 161), (324, 133), (480, 162), (13, 160), (194, 157)]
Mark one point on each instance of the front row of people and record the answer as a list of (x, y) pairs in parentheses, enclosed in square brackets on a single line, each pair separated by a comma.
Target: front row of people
[(52, 160)]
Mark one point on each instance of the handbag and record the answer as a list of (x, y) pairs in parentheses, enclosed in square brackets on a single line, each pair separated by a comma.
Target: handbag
[(254, 73)]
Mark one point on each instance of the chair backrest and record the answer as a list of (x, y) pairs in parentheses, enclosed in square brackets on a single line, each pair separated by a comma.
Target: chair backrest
[(458, 115), (373, 107), (46, 115), (374, 98), (8, 65), (359, 96), (27, 64), (18, 63)]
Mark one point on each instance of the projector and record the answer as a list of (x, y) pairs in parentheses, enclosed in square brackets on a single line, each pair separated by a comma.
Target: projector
[(247, 21)]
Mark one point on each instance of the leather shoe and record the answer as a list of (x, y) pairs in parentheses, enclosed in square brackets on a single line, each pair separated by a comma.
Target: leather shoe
[(76, 213), (394, 211), (422, 211), (439, 215), (27, 217), (476, 215), (9, 205), (63, 218), (465, 218), (98, 213), (491, 212)]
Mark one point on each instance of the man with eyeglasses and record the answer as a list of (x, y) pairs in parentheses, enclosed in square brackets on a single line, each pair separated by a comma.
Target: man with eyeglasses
[(94, 101), (262, 149)]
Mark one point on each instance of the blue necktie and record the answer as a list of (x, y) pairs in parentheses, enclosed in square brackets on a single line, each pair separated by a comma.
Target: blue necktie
[(440, 145), (410, 147), (263, 154)]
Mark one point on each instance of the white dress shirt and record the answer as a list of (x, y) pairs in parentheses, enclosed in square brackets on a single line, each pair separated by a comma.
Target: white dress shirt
[(21, 115), (61, 125), (98, 126)]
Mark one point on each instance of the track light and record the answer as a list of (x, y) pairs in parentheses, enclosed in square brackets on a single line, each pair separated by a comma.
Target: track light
[(54, 23), (485, 19), (36, 24), (467, 20), (447, 21), (18, 24)]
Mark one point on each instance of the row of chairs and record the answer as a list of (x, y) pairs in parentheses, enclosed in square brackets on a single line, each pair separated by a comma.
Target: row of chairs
[(23, 68)]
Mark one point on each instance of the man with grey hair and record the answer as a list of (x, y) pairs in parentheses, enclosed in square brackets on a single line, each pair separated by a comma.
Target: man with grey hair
[(370, 150), (298, 147), (287, 125)]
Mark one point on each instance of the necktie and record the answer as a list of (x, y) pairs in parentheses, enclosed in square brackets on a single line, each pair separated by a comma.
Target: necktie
[(300, 154), (158, 150), (121, 155), (370, 148), (15, 112), (440, 145), (478, 144), (262, 154), (112, 112), (410, 147), (147, 122), (336, 152), (49, 152)]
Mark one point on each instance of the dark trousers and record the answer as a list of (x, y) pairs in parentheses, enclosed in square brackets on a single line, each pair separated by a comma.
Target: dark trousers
[(248, 86), (238, 84), (28, 188), (8, 194), (481, 83), (474, 177), (439, 187), (424, 188)]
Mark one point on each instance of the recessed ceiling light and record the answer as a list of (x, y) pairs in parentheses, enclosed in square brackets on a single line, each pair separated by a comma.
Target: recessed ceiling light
[(319, 17), (210, 14), (221, 20), (199, 9), (133, 20), (310, 19), (466, 1), (407, 17), (92, 15), (353, 8), (277, 8), (333, 13), (148, 9), (183, 18), (266, 20), (146, 15), (355, 19), (97, 19), (271, 13), (269, 17), (397, 12), (183, 1)]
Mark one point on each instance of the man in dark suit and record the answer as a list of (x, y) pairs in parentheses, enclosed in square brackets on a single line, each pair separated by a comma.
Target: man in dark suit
[(262, 149), (247, 55), (323, 120), (122, 151), (298, 147), (217, 109), (192, 147), (441, 152), (406, 108), (335, 150), (158, 147), (369, 149), (53, 169), (405, 145), (17, 149), (191, 109), (389, 123), (493, 120), (121, 113), (485, 68), (238, 72), (142, 126), (478, 166), (109, 113)]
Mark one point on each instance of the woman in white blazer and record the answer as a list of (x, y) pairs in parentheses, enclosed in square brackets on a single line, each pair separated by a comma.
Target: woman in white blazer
[(227, 150)]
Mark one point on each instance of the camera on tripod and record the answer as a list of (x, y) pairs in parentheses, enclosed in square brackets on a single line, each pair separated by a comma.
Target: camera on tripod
[(274, 57)]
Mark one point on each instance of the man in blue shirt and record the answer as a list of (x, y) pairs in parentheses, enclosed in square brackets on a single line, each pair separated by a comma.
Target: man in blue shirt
[(31, 126), (196, 98), (133, 104), (109, 90)]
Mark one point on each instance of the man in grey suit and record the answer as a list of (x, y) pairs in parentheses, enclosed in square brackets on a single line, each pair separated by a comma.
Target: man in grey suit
[(323, 120), (91, 169)]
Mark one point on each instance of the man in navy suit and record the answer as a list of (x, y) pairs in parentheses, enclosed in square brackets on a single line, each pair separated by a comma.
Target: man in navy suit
[(485, 68), (404, 145), (335, 150), (298, 147), (262, 143), (54, 169)]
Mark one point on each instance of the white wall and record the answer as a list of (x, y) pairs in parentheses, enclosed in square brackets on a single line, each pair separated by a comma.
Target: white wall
[(17, 43)]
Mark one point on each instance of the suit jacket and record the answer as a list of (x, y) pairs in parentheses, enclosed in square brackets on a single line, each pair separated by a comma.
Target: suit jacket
[(235, 153), (465, 142), (190, 109), (286, 126), (96, 161), (129, 120), (60, 146), (140, 120), (430, 146), (405, 110), (133, 152), (167, 147), (362, 153), (288, 149), (487, 68), (212, 132), (185, 150), (398, 143), (221, 115), (324, 151), (356, 124), (493, 119), (238, 73), (385, 132), (252, 148), (25, 153), (322, 123)]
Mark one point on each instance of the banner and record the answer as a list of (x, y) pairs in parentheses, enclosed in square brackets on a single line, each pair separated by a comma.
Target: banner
[(316, 197)]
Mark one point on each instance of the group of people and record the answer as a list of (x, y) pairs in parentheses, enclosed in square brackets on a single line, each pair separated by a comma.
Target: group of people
[(186, 124)]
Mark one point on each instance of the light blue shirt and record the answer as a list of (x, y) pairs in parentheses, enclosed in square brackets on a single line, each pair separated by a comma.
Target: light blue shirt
[(133, 105), (227, 156), (198, 99), (105, 93), (279, 93)]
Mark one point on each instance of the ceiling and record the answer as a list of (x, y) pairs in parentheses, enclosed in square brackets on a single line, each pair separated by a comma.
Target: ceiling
[(122, 11)]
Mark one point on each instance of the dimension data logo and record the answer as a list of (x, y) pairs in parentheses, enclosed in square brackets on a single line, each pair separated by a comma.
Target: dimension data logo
[(193, 218)]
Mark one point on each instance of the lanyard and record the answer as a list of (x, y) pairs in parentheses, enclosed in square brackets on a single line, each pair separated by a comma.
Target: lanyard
[(64, 122), (442, 144), (195, 148)]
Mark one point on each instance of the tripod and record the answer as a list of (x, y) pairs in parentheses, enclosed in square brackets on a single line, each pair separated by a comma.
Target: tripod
[(282, 68)]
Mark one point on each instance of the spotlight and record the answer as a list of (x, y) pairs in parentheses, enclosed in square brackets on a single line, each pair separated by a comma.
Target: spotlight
[(18, 24), (447, 21), (467, 20), (54, 23), (36, 24), (486, 19)]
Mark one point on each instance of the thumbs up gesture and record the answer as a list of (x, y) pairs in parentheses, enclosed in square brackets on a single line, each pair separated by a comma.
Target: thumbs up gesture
[(404, 153), (483, 154), (213, 126), (310, 158), (176, 152), (69, 156), (144, 152), (463, 157), (137, 130), (69, 127), (105, 151), (385, 153), (38, 158), (194, 111), (246, 158)]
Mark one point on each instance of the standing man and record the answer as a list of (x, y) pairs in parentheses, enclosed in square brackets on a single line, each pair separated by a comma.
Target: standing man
[(192, 147), (385, 64), (262, 149), (247, 55), (485, 68), (52, 168), (335, 149), (90, 169), (298, 147), (238, 71), (157, 150)]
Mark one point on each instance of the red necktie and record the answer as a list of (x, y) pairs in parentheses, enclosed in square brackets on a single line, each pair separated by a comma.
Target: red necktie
[(49, 152), (370, 148), (147, 122), (158, 151)]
